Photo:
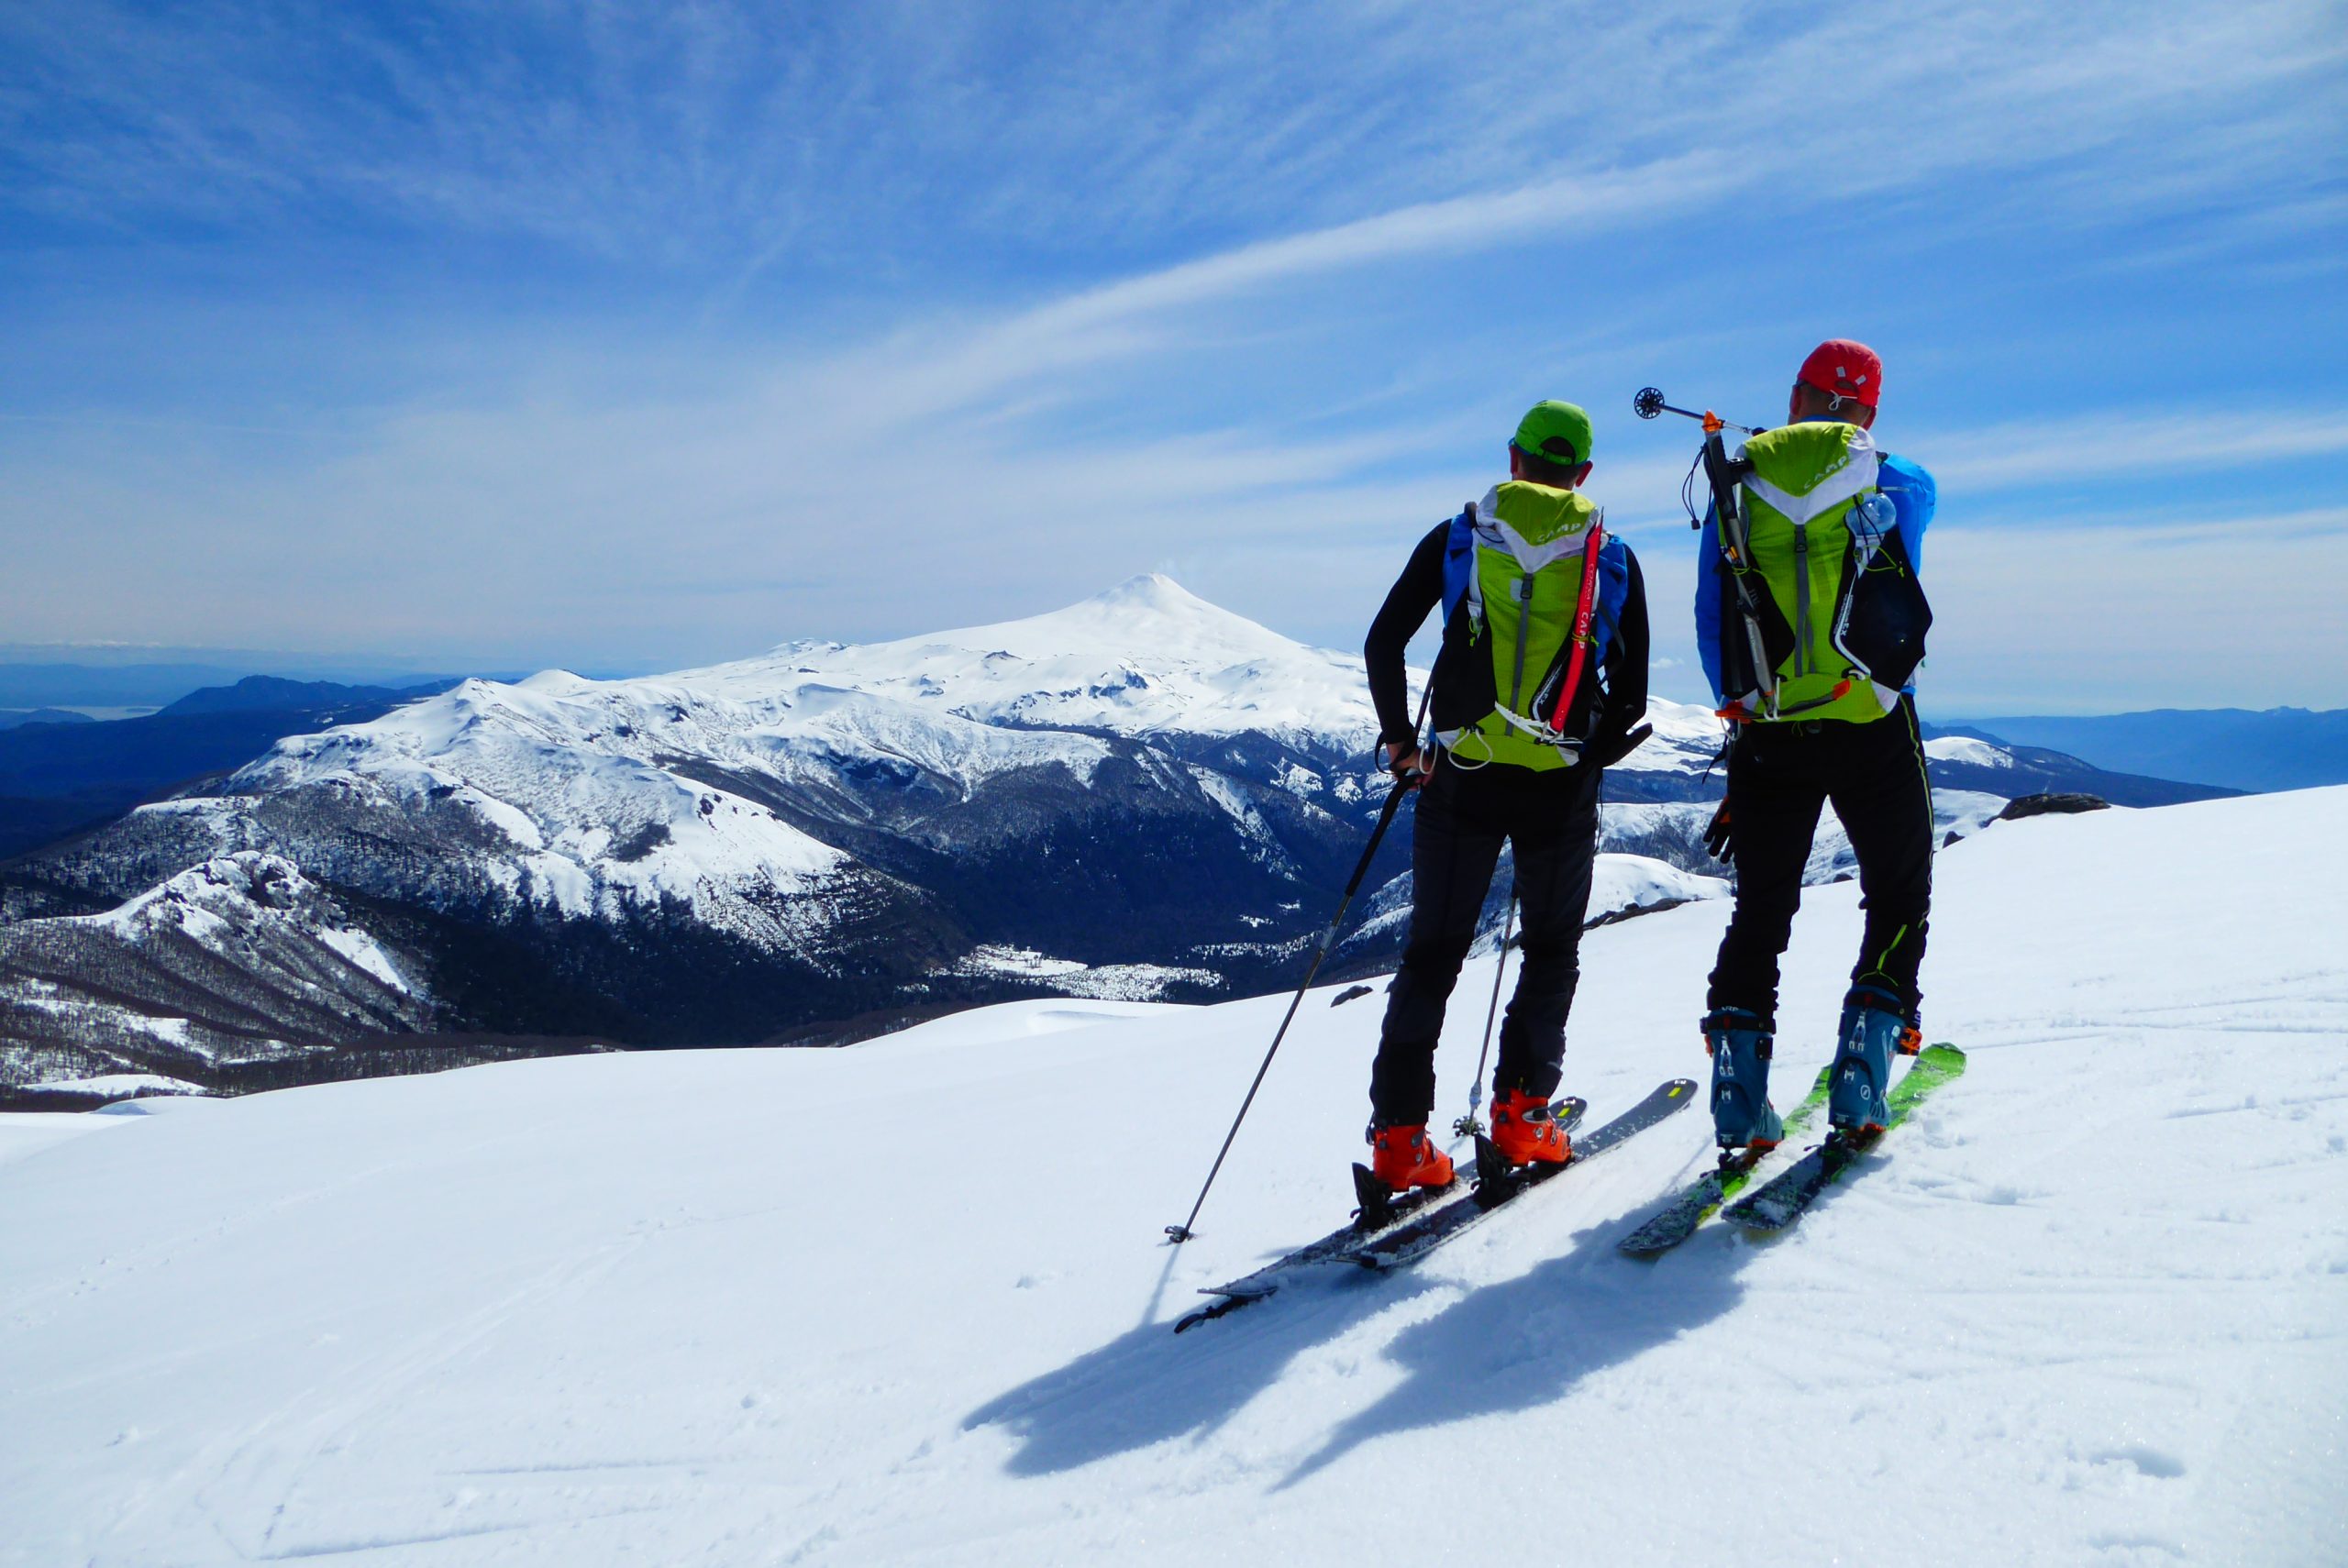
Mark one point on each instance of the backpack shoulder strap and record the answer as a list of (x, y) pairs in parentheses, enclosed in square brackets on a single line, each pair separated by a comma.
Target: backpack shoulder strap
[(1458, 561)]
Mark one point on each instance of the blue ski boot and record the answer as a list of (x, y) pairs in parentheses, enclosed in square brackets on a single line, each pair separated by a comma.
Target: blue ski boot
[(1873, 1021), (1739, 1043)]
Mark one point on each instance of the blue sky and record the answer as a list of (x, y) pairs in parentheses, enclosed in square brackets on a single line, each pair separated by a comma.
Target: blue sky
[(624, 336)]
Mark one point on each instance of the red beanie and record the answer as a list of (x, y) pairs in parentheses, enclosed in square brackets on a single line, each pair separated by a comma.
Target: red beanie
[(1843, 368)]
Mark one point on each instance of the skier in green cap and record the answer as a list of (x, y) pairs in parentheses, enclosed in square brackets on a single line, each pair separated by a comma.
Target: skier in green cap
[(1540, 684)]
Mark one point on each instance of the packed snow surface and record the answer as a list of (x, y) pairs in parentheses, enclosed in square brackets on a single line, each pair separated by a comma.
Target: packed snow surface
[(907, 1303)]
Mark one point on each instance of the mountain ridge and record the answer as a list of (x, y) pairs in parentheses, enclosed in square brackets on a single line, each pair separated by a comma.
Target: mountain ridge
[(2241, 748), (1137, 795)]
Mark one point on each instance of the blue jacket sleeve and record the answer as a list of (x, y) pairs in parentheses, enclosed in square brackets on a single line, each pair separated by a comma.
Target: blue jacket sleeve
[(1913, 496), (1708, 604)]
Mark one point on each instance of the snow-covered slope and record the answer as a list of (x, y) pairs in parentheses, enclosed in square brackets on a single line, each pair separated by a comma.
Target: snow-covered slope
[(235, 961), (765, 1307)]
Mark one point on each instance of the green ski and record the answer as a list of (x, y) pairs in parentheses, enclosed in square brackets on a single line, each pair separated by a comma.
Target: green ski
[(1702, 1198), (1780, 1202)]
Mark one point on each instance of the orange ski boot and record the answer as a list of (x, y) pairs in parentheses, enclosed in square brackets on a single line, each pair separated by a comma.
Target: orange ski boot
[(1404, 1157), (1525, 1133)]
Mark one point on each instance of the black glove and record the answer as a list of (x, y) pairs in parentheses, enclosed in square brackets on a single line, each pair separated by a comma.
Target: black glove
[(1407, 763), (1606, 750), (1718, 837)]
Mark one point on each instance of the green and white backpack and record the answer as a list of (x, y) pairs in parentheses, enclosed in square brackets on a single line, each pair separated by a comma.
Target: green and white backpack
[(1823, 617)]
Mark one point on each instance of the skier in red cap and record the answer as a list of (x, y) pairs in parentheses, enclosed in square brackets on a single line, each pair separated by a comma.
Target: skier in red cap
[(1810, 622), (1847, 372)]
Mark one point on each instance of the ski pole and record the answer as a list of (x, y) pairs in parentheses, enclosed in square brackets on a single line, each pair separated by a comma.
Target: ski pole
[(1649, 403), (1735, 542), (1469, 1123), (1177, 1235)]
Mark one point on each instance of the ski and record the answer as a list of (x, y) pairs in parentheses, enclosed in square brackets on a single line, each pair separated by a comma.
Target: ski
[(1499, 1184), (1780, 1202), (1699, 1199), (1379, 1211)]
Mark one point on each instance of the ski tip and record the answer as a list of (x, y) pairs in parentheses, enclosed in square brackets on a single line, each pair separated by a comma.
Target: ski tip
[(1935, 1064)]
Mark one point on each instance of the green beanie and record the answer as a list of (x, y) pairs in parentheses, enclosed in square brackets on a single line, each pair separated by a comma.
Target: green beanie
[(1556, 431)]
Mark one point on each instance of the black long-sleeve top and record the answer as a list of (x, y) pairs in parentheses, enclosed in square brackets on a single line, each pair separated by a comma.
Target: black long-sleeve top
[(1420, 590)]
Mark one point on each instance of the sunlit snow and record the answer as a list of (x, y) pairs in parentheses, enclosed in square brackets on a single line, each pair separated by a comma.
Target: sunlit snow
[(907, 1302)]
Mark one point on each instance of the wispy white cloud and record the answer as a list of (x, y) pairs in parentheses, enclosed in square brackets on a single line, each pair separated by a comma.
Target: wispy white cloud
[(1171, 300), (2120, 441), (2234, 611), (2075, 91), (724, 136)]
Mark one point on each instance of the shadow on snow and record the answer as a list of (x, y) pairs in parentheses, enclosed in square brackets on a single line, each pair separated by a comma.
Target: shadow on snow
[(1527, 1341), (1514, 1345)]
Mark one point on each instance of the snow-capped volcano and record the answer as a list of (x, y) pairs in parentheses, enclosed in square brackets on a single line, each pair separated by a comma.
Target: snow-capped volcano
[(945, 713), (1147, 656), (1141, 785), (1140, 795)]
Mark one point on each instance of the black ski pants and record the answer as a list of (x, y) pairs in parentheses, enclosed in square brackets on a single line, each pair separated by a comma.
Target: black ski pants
[(1778, 777), (1550, 822)]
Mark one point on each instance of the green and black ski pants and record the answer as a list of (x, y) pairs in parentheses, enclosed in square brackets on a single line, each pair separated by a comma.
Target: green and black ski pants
[(1778, 777), (1550, 823)]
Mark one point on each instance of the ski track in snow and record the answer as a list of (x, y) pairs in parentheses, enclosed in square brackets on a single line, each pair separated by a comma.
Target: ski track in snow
[(902, 1303)]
